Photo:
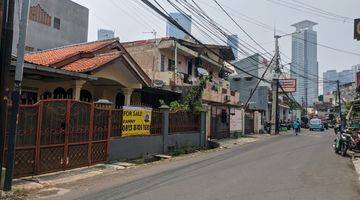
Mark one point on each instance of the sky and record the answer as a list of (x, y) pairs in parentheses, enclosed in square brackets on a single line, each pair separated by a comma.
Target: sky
[(131, 20)]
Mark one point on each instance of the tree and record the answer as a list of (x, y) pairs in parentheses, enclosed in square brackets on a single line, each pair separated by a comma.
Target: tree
[(321, 98)]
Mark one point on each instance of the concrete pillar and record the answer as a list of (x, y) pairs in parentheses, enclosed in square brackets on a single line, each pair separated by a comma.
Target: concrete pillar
[(165, 126), (203, 138), (127, 93), (257, 122), (207, 109), (77, 89), (242, 121)]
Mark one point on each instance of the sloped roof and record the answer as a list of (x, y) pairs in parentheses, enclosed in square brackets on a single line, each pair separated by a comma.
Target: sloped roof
[(86, 57), (53, 56), (89, 64)]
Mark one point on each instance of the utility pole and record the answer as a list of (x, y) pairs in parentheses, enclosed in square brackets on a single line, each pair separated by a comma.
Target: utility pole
[(275, 90), (339, 102), (306, 100), (5, 55), (15, 96)]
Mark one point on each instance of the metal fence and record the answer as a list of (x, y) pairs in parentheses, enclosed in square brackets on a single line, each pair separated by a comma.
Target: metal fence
[(181, 122), (55, 135)]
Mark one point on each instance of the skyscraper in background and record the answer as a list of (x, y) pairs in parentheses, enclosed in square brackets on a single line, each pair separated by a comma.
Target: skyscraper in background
[(330, 76), (304, 66), (233, 42), (184, 21), (346, 76), (104, 34)]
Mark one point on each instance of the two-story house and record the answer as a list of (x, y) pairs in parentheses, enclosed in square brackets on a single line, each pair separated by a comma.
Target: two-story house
[(173, 65)]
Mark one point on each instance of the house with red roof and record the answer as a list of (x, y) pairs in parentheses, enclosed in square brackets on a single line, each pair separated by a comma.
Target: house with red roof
[(87, 72)]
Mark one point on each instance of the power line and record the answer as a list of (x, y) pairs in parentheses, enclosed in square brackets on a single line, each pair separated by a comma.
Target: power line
[(201, 15), (171, 20), (300, 8), (267, 27), (322, 10), (257, 84), (241, 28)]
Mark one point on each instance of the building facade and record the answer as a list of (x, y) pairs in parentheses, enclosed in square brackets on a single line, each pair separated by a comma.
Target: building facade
[(184, 21), (53, 23), (304, 66), (346, 76), (245, 84), (329, 76), (233, 42), (173, 65), (104, 34)]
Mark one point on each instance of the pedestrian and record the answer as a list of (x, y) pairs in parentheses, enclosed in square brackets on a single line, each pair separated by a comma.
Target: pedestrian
[(296, 126)]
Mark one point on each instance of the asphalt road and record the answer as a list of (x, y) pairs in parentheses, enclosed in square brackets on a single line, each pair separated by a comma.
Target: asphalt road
[(284, 167)]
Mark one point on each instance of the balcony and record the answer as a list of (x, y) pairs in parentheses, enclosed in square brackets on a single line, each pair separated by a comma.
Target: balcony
[(171, 78), (220, 92)]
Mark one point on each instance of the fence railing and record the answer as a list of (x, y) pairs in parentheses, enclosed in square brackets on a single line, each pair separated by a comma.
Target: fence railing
[(182, 122), (55, 135), (156, 123)]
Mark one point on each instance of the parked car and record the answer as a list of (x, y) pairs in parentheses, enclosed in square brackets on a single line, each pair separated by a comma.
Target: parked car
[(316, 124)]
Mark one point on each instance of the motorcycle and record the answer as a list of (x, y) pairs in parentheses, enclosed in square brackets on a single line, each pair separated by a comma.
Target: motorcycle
[(345, 141)]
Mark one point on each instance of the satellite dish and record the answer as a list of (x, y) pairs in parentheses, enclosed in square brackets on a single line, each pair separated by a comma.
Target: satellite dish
[(158, 83), (202, 71)]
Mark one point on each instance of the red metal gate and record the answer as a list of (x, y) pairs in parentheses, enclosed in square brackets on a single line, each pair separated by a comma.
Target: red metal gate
[(56, 135)]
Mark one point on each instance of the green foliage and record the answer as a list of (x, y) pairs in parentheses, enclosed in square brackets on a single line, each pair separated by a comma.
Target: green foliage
[(321, 98), (192, 100), (162, 102)]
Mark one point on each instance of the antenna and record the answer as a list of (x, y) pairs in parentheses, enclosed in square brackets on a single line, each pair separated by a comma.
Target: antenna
[(152, 32)]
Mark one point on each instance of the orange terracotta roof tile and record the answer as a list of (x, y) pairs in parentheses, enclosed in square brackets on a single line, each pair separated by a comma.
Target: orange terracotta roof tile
[(52, 56), (88, 64)]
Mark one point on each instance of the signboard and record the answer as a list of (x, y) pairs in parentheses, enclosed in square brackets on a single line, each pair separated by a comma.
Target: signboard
[(289, 85), (357, 29), (136, 121)]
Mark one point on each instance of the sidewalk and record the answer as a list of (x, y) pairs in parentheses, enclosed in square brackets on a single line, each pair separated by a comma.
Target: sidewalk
[(68, 176), (356, 162), (230, 142), (48, 180)]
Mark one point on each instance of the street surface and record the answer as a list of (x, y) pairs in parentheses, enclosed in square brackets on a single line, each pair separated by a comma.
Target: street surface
[(287, 167)]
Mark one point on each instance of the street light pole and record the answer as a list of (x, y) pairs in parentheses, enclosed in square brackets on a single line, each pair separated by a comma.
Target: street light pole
[(5, 59), (339, 102), (15, 97)]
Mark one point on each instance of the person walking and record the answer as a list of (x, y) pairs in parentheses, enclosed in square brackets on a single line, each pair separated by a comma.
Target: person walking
[(296, 126)]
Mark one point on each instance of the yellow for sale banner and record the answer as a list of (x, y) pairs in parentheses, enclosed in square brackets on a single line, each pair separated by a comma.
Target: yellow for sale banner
[(136, 121)]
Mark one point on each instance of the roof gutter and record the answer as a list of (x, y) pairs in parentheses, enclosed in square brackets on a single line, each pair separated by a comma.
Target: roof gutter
[(56, 71)]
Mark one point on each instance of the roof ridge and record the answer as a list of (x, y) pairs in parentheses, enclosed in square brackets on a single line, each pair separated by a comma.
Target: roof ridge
[(109, 53), (73, 45)]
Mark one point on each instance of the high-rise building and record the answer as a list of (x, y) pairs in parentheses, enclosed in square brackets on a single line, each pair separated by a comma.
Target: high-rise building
[(346, 76), (330, 76), (104, 34), (52, 23), (184, 21), (233, 42), (304, 66)]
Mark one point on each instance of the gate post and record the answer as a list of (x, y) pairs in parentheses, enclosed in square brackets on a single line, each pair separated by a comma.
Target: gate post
[(38, 137), (165, 126), (67, 132), (203, 139), (91, 132)]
